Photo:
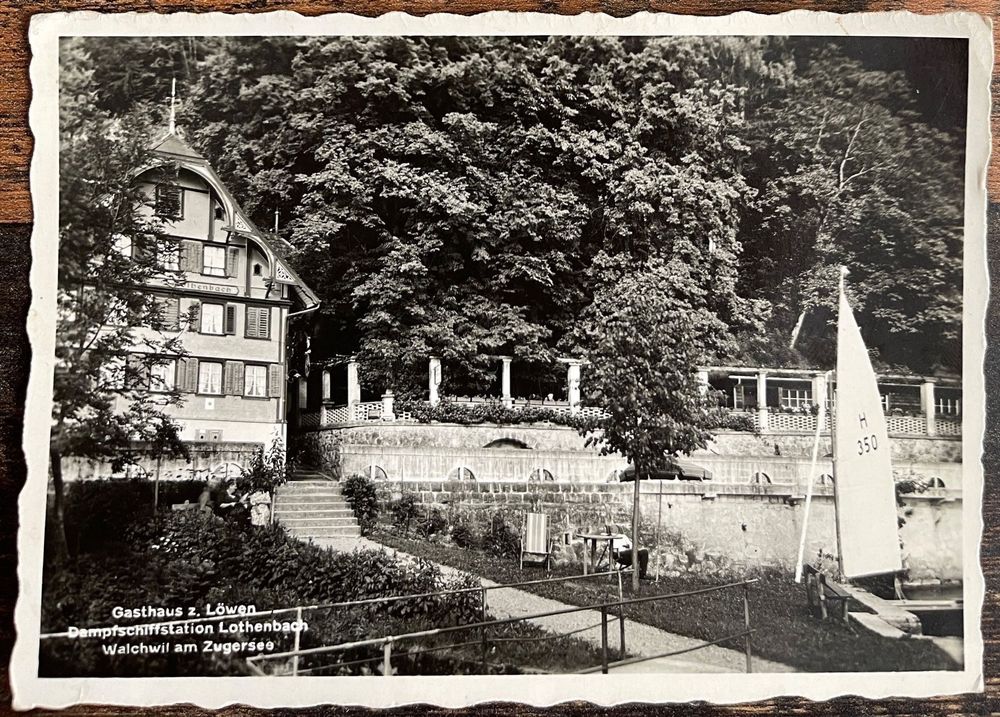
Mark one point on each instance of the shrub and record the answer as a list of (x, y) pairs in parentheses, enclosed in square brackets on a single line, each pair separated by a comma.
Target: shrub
[(360, 493), (502, 540), (464, 533), (266, 471), (199, 558), (489, 412), (403, 512), (99, 512), (431, 523)]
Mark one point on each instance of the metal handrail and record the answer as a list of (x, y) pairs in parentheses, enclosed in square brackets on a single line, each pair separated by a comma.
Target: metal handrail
[(347, 603), (387, 641)]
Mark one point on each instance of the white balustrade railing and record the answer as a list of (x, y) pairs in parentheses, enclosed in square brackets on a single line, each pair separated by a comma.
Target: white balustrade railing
[(778, 422)]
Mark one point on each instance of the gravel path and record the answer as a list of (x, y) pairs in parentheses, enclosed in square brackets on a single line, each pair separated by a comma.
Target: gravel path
[(640, 639)]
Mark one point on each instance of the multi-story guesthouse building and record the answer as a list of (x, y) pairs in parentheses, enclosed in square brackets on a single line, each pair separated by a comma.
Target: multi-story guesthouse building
[(229, 296)]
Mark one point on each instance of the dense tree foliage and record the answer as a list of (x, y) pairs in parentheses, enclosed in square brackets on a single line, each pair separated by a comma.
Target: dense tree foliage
[(470, 196), (102, 406)]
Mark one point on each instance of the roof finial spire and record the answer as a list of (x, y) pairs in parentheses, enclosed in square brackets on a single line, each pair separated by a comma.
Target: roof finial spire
[(172, 128)]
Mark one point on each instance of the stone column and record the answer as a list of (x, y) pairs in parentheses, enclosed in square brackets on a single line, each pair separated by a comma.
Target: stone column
[(508, 401), (433, 379), (927, 402), (353, 388), (819, 397), (703, 380), (303, 386), (387, 410), (327, 385), (762, 417), (573, 385)]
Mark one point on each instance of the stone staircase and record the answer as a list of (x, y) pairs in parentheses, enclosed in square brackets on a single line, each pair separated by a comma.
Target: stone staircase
[(311, 505)]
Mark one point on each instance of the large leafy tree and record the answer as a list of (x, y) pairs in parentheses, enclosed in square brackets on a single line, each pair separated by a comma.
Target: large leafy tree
[(646, 333), (851, 174), (111, 330), (449, 195)]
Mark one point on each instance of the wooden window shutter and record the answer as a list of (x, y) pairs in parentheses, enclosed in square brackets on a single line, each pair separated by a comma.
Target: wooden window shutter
[(274, 380), (144, 248), (232, 261), (230, 318), (136, 374), (191, 256), (264, 322), (187, 375), (232, 384), (170, 313), (194, 316), (251, 327)]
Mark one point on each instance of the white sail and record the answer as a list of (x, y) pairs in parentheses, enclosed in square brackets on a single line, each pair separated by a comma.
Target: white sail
[(866, 500)]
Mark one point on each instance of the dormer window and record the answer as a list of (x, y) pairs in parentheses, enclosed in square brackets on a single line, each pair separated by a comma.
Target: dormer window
[(169, 201)]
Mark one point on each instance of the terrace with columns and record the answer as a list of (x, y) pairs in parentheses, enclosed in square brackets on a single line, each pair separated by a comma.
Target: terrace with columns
[(773, 400)]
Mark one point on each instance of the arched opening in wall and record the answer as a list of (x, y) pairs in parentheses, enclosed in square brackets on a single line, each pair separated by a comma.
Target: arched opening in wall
[(540, 475), (508, 443), (461, 473), (935, 482), (825, 479), (760, 477), (375, 472)]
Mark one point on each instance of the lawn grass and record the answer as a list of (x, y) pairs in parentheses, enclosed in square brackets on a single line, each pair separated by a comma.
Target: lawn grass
[(785, 631)]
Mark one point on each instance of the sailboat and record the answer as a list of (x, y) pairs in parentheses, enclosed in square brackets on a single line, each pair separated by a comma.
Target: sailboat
[(864, 489)]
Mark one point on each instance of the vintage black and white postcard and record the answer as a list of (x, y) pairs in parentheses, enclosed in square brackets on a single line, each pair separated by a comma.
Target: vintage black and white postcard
[(507, 357)]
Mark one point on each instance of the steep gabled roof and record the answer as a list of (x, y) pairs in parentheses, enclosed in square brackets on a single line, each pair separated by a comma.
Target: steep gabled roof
[(172, 144), (173, 148)]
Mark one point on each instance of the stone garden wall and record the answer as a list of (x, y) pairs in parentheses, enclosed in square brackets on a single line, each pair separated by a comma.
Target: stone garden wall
[(694, 528), (208, 459), (424, 452)]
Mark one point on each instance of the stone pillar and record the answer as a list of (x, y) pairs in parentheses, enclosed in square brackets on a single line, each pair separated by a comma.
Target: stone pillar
[(573, 385), (703, 380), (927, 403), (819, 397), (387, 401), (508, 401), (303, 387), (353, 388), (433, 379), (762, 417), (327, 385)]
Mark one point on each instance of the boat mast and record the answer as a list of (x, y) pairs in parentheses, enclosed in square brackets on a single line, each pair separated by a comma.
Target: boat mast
[(830, 391)]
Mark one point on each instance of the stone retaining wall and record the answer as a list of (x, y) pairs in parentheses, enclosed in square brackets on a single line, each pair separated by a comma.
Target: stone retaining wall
[(697, 528), (210, 458)]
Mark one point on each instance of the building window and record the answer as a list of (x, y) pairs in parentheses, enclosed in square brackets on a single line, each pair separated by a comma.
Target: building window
[(258, 322), (169, 201), (162, 376), (795, 398), (214, 261), (212, 319), (255, 381), (210, 377), (168, 256)]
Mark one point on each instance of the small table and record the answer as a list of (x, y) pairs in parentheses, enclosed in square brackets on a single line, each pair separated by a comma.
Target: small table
[(592, 539)]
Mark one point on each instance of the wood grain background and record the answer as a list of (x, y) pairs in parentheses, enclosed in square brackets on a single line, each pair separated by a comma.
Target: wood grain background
[(15, 262)]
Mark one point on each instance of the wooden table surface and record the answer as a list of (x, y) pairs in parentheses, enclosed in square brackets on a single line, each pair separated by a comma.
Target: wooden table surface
[(15, 218)]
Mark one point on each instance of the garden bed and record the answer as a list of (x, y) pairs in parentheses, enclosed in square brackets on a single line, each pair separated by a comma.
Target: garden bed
[(785, 630), (189, 560)]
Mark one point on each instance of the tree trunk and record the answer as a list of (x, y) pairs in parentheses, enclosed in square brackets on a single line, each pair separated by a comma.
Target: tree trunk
[(635, 531), (59, 544)]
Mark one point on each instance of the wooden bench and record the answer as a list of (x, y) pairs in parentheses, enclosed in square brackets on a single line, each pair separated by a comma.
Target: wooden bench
[(825, 596)]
